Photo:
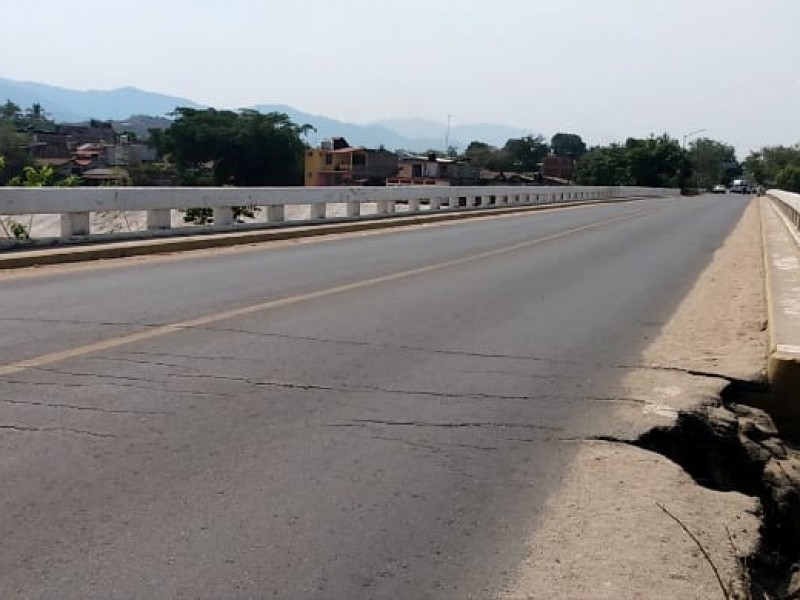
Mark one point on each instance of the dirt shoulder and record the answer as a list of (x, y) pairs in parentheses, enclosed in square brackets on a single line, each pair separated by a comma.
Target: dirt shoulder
[(606, 533)]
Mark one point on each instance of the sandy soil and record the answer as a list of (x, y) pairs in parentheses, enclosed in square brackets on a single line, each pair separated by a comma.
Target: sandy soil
[(603, 534)]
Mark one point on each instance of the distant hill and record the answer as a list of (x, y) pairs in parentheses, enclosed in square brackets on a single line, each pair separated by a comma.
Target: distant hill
[(141, 125), (460, 134), (67, 105), (371, 136), (149, 110), (394, 134)]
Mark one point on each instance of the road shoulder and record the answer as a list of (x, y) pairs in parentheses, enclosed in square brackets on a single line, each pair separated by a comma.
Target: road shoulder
[(616, 527)]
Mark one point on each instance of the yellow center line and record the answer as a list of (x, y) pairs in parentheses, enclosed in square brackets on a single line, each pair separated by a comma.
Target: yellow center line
[(162, 330)]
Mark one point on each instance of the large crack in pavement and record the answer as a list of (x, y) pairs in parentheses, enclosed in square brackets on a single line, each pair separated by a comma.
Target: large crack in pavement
[(734, 446)]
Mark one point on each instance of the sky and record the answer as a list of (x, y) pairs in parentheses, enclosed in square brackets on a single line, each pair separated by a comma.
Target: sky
[(606, 69)]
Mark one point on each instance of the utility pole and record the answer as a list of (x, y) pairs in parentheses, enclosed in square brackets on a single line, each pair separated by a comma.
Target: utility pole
[(696, 174), (447, 135)]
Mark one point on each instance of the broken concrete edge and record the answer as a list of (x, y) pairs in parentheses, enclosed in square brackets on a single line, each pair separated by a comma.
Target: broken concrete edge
[(735, 447), (783, 361), (98, 250)]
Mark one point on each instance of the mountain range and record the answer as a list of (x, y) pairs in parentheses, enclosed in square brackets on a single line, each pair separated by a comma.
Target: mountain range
[(68, 105)]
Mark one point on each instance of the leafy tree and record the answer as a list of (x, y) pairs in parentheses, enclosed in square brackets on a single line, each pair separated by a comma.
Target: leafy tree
[(152, 174), (245, 148), (651, 162), (765, 165), (754, 167), (657, 162), (10, 111), (518, 155), (43, 176), (524, 155), (481, 154), (789, 178), (604, 166), (14, 147), (568, 144), (713, 162)]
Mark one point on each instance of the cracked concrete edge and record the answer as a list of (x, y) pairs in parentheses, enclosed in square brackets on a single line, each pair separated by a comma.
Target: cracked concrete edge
[(782, 278), (102, 250)]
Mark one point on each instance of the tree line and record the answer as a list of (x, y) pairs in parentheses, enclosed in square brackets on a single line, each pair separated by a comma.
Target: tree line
[(249, 148)]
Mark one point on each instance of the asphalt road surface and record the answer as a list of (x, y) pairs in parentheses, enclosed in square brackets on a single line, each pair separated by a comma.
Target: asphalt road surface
[(376, 416)]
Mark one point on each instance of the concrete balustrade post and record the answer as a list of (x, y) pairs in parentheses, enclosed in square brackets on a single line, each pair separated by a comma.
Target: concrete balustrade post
[(413, 205), (276, 213), (382, 207), (318, 211), (454, 202), (354, 209), (73, 224), (436, 203), (159, 219), (223, 217)]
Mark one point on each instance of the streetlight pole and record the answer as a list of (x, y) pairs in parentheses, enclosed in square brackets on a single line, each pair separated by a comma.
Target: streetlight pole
[(696, 174), (690, 134)]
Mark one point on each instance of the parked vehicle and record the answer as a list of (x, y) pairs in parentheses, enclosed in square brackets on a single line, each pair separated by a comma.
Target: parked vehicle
[(740, 186), (720, 189)]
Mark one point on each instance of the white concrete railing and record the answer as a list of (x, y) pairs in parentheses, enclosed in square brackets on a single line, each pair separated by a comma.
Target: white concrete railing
[(76, 204), (789, 203)]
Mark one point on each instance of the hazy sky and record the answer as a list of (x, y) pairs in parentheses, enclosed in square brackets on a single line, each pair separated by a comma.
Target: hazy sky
[(605, 69)]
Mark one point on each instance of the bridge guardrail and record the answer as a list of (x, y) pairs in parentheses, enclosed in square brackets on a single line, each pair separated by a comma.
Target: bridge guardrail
[(780, 226), (789, 203), (76, 204)]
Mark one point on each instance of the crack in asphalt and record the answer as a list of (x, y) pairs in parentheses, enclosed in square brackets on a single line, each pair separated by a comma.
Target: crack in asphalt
[(116, 381), (409, 392), (127, 381), (446, 425), (446, 352), (74, 322), (25, 429), (81, 408), (438, 447)]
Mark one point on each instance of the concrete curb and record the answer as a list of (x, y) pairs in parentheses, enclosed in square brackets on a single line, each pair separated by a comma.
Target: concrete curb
[(18, 259), (782, 270)]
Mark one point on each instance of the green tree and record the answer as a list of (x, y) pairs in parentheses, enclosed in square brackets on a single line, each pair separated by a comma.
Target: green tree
[(524, 155), (765, 165), (604, 166), (650, 162), (14, 147), (481, 154), (713, 162), (10, 111), (245, 148), (43, 176), (788, 178), (568, 144)]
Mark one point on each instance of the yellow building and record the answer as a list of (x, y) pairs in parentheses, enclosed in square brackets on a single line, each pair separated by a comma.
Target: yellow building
[(336, 163)]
